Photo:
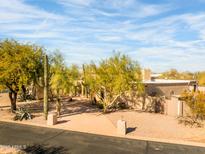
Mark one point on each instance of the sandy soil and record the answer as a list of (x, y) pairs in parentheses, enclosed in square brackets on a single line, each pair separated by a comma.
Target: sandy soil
[(4, 100), (80, 115), (157, 126)]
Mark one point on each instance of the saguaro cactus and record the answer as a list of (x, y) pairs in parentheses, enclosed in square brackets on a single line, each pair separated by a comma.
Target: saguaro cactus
[(85, 82), (45, 105)]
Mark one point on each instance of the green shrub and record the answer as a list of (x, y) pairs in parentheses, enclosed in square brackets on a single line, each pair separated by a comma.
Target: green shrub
[(196, 102)]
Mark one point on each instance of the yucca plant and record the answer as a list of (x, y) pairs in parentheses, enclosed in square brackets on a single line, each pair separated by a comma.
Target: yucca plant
[(22, 114)]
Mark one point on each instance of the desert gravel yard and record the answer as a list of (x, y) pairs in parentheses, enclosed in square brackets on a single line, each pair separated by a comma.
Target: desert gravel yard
[(80, 115), (157, 126)]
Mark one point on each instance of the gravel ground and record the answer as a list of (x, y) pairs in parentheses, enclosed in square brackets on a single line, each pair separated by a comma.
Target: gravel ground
[(157, 126)]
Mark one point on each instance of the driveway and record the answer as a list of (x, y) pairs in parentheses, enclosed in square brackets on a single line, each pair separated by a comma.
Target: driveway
[(48, 140)]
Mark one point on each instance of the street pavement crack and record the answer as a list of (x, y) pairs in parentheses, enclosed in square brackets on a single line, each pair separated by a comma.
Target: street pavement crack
[(52, 137)]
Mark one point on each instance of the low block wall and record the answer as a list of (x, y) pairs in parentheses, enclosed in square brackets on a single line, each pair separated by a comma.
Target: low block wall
[(175, 107)]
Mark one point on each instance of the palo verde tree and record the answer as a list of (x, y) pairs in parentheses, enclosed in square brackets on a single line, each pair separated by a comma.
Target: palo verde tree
[(90, 80), (200, 76), (114, 77), (74, 76), (196, 103), (63, 78), (176, 75), (58, 77), (18, 66)]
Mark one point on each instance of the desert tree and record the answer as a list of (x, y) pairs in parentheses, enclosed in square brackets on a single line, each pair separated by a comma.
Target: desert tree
[(176, 75), (90, 80), (114, 77), (200, 76), (196, 102), (18, 66), (63, 78)]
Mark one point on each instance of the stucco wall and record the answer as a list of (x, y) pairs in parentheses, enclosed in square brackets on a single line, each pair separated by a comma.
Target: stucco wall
[(175, 107), (165, 89)]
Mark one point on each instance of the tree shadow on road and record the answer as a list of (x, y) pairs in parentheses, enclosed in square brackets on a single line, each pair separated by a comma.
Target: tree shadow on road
[(45, 149)]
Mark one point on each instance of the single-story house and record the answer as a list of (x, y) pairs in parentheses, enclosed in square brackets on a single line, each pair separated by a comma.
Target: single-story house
[(163, 87), (170, 90)]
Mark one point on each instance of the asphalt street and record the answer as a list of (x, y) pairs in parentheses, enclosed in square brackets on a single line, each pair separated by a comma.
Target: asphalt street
[(48, 140)]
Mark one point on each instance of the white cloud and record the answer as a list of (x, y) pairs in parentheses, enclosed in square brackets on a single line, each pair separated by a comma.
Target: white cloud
[(16, 9), (109, 38), (37, 35), (126, 8), (120, 3), (21, 20), (161, 58), (197, 22), (75, 2)]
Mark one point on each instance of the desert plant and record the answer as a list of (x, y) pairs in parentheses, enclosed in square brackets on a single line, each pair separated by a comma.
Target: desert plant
[(196, 103), (200, 76), (112, 78), (58, 106), (18, 64), (63, 78), (45, 86), (190, 121), (22, 114), (25, 96)]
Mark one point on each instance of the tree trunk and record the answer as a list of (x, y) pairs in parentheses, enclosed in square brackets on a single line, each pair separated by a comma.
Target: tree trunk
[(58, 105), (24, 92), (143, 102), (82, 90), (93, 99), (45, 87), (75, 91), (13, 97)]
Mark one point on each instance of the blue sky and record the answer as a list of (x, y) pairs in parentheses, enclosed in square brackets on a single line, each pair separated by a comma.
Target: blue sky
[(159, 34)]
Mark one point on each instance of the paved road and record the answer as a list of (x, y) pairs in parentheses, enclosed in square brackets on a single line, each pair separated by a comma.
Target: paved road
[(47, 140)]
